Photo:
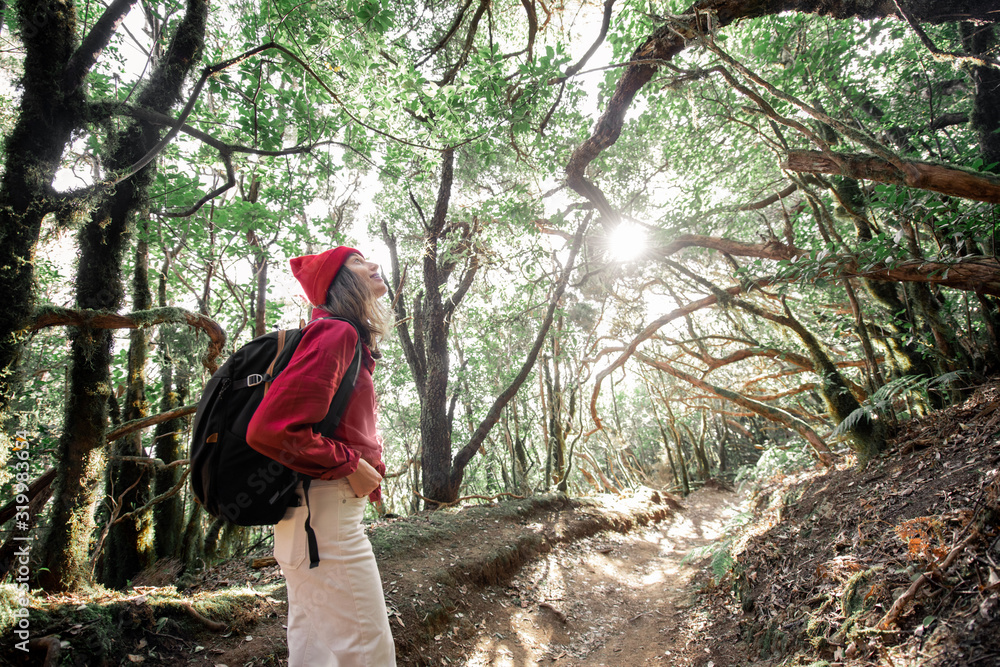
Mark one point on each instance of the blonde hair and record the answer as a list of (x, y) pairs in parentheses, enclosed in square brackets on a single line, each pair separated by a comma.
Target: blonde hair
[(351, 297)]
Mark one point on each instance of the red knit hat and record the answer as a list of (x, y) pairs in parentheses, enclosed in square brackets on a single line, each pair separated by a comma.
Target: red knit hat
[(316, 272)]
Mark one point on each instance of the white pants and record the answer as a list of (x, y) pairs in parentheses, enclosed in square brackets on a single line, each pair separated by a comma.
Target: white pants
[(336, 612)]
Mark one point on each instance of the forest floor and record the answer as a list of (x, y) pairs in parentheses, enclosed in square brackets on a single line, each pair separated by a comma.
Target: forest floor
[(821, 560)]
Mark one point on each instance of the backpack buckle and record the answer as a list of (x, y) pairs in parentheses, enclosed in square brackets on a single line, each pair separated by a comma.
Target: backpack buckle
[(254, 379)]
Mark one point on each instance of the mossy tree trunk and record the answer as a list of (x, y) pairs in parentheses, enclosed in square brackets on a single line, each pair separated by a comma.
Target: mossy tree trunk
[(128, 548), (555, 465), (866, 436), (63, 551), (49, 113), (980, 40), (168, 516), (909, 359)]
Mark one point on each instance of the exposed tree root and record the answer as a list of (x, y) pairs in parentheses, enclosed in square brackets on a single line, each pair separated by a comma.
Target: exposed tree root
[(900, 604), (215, 626), (52, 648)]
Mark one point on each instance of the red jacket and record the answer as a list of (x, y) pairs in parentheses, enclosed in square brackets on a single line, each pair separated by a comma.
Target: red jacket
[(301, 396)]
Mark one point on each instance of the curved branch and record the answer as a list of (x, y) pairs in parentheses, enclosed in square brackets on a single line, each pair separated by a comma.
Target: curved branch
[(172, 491), (772, 249), (99, 319), (605, 23), (648, 333), (467, 47), (207, 73), (448, 35), (704, 18), (939, 55), (767, 201)]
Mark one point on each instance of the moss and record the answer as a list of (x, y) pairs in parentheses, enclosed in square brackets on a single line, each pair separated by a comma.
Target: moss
[(10, 597), (855, 598)]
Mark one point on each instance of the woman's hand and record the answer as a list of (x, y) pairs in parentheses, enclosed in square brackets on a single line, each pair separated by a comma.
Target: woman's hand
[(364, 480)]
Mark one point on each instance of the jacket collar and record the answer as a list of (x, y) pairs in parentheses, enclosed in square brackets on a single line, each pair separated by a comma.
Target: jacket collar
[(366, 355)]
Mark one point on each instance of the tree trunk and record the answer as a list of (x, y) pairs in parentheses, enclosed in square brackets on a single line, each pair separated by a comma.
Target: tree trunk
[(128, 548), (980, 40), (64, 548), (168, 516), (47, 116)]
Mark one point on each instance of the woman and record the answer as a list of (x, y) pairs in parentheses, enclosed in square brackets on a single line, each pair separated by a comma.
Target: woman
[(336, 611)]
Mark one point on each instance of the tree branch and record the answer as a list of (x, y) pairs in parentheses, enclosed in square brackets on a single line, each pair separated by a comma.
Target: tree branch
[(772, 413), (605, 23), (939, 55), (93, 45), (145, 422), (98, 319), (944, 179)]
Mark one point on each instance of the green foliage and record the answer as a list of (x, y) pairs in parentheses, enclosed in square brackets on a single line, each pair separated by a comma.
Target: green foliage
[(890, 402)]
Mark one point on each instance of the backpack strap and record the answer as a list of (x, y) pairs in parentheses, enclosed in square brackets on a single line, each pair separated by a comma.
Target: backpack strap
[(310, 533), (269, 375)]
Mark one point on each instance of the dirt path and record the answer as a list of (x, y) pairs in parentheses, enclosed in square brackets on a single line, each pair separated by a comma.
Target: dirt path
[(610, 600)]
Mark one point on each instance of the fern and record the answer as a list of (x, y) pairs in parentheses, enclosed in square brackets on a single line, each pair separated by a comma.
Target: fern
[(880, 404)]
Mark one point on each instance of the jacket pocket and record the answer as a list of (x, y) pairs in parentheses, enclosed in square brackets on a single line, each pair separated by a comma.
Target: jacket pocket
[(290, 538)]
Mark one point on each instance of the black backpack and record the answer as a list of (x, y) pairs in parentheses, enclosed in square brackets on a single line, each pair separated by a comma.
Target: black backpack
[(231, 479)]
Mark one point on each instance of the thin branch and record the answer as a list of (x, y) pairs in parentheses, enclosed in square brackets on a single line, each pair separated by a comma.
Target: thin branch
[(479, 436), (145, 422), (207, 73), (455, 25), (939, 55), (605, 23), (172, 491)]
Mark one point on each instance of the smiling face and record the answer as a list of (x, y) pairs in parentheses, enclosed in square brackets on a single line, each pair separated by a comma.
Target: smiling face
[(367, 271)]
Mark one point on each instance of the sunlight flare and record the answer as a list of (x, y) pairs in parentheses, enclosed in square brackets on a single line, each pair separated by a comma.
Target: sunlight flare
[(626, 241)]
